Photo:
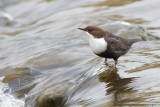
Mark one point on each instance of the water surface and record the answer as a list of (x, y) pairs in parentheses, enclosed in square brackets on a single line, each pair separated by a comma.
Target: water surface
[(41, 49)]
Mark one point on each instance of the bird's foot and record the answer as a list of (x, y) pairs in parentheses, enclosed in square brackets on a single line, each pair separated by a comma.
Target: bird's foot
[(112, 68), (106, 64)]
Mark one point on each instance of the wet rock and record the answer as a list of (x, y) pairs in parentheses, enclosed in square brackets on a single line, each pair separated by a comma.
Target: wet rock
[(129, 31), (55, 97)]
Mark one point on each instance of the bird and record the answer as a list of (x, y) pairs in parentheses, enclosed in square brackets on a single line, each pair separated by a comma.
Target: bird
[(107, 45)]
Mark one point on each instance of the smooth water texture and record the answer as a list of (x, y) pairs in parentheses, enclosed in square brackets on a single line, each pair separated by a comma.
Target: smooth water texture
[(41, 49)]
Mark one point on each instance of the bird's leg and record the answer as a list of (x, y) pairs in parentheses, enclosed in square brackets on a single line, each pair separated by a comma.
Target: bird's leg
[(105, 60), (115, 63)]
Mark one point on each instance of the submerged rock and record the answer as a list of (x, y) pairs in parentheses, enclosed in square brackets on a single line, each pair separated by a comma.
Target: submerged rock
[(55, 97)]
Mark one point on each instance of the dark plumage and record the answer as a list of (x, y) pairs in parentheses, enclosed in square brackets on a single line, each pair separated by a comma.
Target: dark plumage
[(116, 46)]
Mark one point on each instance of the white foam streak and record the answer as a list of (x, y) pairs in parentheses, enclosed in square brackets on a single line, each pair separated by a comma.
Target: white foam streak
[(6, 99)]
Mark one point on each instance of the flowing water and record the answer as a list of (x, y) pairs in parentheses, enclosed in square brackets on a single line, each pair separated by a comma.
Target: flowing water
[(42, 51)]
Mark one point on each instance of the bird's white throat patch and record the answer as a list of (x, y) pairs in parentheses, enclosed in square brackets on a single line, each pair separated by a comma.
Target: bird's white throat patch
[(98, 45)]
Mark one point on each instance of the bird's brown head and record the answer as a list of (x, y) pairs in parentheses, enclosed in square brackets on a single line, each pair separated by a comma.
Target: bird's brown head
[(94, 31)]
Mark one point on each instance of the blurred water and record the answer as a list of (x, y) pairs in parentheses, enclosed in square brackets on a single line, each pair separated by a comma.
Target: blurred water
[(41, 49)]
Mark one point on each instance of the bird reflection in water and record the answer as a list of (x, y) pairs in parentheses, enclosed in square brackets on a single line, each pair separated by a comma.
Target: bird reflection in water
[(118, 86)]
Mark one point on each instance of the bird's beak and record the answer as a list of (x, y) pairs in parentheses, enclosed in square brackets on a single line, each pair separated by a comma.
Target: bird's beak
[(81, 29)]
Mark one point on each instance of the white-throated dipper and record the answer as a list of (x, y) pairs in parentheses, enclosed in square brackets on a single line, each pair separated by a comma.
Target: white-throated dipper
[(106, 44)]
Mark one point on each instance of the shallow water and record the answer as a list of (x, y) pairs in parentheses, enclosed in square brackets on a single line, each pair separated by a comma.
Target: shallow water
[(41, 49)]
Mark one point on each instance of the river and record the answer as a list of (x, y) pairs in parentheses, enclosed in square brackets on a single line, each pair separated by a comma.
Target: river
[(42, 51)]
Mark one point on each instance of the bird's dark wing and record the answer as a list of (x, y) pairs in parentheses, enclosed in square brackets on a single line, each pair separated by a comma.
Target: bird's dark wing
[(117, 46)]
